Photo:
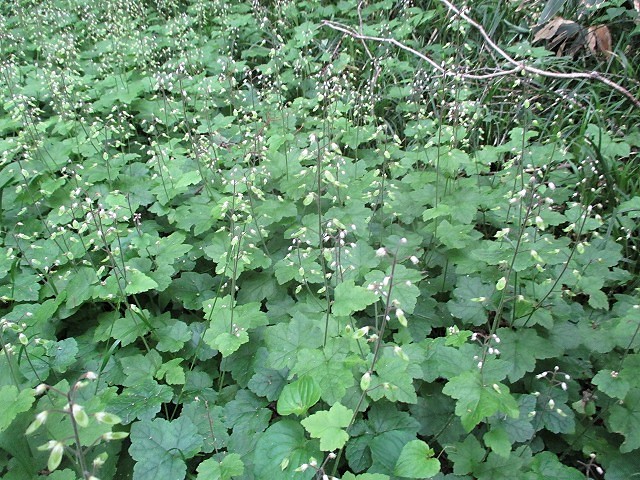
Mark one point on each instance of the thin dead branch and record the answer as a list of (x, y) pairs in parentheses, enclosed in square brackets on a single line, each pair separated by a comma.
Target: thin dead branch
[(518, 66)]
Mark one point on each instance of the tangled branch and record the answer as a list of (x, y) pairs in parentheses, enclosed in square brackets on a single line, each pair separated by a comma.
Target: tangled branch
[(518, 66)]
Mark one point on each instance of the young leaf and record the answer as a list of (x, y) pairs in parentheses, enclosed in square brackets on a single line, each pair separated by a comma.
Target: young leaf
[(351, 298), (230, 466), (498, 441), (228, 329), (298, 396), (416, 461), (13, 403), (393, 381), (329, 426), (138, 282), (477, 401)]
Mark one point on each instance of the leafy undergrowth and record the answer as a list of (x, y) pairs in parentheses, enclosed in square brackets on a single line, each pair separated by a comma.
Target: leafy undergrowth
[(237, 243)]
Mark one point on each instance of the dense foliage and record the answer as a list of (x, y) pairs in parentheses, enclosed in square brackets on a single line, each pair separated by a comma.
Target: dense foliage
[(239, 243)]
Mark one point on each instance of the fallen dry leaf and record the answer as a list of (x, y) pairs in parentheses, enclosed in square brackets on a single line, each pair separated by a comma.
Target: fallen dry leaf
[(550, 29), (599, 40)]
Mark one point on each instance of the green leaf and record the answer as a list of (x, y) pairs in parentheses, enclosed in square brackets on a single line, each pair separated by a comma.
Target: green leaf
[(546, 466), (330, 367), (365, 476), (298, 396), (209, 419), (160, 448), (456, 236), (496, 467), (285, 340), (192, 289), (230, 466), (227, 343), (625, 419), (329, 426), (229, 325), (497, 440), (14, 402), (139, 368), (24, 288), (80, 287), (466, 455), (471, 300), (172, 372), (138, 282), (392, 380), (556, 417), (385, 451), (550, 9), (172, 337), (141, 401), (63, 354), (476, 400), (360, 258), (416, 461), (404, 292), (126, 329), (350, 298), (612, 383), (521, 348), (281, 450), (169, 248), (268, 382), (247, 413), (518, 429), (386, 427)]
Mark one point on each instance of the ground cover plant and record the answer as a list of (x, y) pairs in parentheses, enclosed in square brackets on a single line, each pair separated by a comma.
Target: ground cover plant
[(308, 239)]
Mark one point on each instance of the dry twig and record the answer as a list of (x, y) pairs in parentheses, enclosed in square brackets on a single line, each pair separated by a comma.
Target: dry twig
[(518, 66)]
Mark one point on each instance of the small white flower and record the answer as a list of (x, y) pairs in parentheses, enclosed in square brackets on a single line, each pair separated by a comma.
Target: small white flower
[(381, 252)]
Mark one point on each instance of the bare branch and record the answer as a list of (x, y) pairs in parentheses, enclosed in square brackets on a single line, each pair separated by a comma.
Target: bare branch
[(467, 76), (537, 71), (518, 66)]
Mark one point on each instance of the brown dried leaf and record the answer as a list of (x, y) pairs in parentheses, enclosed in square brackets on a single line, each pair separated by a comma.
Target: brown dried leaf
[(599, 40), (550, 29)]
